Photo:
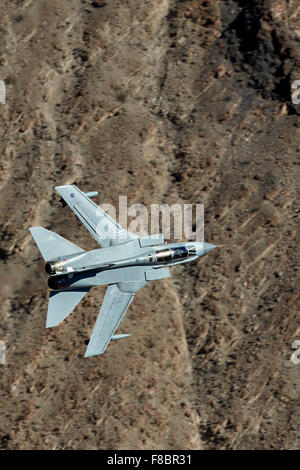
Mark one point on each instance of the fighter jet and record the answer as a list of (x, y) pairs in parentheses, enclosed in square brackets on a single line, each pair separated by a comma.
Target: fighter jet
[(125, 262)]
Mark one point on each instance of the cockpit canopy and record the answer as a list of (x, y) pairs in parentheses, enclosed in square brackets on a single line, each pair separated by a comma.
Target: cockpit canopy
[(173, 254), (180, 252)]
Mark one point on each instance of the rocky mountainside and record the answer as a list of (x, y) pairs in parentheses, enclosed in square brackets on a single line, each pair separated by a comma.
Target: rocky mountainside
[(163, 101)]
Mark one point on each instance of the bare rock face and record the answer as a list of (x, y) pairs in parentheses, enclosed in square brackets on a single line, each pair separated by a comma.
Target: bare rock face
[(162, 101)]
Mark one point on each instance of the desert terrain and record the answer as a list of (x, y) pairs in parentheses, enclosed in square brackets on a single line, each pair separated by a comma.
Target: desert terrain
[(164, 102)]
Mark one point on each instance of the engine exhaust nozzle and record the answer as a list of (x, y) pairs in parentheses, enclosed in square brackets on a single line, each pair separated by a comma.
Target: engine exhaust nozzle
[(50, 268)]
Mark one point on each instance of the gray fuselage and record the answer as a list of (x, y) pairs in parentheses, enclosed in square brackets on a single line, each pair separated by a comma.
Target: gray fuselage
[(92, 267)]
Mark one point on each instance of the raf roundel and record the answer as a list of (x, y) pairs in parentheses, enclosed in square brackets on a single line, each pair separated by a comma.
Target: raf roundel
[(72, 194)]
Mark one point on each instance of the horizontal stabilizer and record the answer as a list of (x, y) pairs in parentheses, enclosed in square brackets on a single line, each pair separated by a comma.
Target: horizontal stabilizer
[(62, 303), (52, 245)]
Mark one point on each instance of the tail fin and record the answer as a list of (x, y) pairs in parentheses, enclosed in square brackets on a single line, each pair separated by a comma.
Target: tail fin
[(62, 303), (52, 245)]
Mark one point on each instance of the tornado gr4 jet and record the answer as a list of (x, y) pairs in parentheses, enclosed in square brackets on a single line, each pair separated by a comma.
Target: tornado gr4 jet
[(125, 262)]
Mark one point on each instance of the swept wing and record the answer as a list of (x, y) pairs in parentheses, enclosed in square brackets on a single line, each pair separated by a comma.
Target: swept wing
[(116, 301), (102, 227)]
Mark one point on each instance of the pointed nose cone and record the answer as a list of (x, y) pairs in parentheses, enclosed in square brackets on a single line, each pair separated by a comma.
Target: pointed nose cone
[(207, 247), (204, 248)]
